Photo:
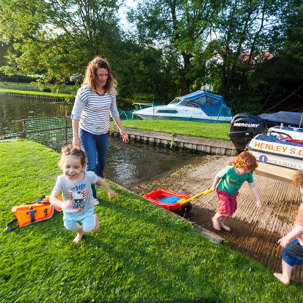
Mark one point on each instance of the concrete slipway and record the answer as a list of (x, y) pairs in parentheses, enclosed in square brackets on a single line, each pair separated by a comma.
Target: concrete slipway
[(254, 232)]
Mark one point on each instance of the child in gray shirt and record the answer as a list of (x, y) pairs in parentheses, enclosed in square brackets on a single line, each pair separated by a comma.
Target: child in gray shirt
[(75, 186)]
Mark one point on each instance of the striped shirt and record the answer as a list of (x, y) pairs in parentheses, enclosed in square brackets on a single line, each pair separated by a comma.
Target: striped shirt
[(93, 110)]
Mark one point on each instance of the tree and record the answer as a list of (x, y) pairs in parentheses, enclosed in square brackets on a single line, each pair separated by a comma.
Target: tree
[(292, 38), (286, 74), (3, 53), (56, 38), (242, 43), (178, 26)]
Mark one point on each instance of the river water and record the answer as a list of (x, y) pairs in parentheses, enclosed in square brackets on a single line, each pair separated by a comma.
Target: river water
[(127, 164)]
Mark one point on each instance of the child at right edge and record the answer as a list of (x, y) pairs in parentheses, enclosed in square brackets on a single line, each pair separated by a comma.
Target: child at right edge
[(231, 179), (292, 243)]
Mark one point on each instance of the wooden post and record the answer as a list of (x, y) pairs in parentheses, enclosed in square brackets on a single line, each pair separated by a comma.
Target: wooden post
[(65, 128), (24, 130)]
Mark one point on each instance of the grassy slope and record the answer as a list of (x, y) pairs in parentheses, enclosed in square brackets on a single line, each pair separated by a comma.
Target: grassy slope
[(33, 87), (33, 93), (140, 254)]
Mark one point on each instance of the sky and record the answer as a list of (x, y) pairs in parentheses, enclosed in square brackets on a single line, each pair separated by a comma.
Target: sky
[(127, 5)]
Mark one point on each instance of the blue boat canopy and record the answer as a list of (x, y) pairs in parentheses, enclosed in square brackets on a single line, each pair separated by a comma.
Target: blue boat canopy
[(211, 104), (291, 118)]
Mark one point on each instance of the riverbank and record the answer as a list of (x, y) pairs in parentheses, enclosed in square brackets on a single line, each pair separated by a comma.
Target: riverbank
[(179, 142), (47, 96)]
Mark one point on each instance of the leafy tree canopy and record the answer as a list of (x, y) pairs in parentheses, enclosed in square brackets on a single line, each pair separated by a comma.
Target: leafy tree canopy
[(179, 25), (57, 38)]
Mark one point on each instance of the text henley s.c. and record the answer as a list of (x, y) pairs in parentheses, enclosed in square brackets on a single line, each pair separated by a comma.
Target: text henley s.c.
[(93, 110)]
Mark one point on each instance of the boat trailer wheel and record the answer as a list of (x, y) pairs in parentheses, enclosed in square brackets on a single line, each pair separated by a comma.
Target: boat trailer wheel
[(187, 207), (183, 210)]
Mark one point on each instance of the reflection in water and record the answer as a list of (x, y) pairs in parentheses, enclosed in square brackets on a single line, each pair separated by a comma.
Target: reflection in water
[(131, 164), (12, 108), (127, 164)]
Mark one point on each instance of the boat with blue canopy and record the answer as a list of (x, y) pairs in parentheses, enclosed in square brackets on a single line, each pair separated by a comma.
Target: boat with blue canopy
[(197, 106)]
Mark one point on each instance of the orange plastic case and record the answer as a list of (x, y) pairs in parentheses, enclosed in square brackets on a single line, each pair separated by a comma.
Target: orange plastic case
[(58, 209), (32, 212)]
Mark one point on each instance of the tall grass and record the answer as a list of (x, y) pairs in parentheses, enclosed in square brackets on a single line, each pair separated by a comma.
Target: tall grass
[(141, 253)]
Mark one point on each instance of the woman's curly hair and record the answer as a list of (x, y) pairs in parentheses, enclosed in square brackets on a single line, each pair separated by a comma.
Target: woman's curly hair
[(245, 160), (91, 75), (298, 178), (69, 150)]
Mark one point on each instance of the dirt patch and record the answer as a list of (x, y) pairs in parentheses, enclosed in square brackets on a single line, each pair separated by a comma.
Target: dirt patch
[(254, 232)]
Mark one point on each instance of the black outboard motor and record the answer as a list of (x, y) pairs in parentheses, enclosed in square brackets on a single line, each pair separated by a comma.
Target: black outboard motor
[(243, 128)]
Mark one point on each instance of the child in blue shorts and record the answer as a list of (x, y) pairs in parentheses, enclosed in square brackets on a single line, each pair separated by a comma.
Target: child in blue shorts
[(75, 184), (292, 243)]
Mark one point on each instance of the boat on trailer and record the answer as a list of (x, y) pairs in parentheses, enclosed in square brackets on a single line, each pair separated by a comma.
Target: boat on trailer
[(198, 106), (278, 149)]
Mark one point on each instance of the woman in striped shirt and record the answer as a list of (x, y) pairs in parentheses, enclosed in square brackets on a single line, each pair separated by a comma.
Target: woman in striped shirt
[(95, 101)]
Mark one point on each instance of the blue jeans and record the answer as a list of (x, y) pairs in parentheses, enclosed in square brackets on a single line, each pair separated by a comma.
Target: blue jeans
[(95, 147), (292, 254)]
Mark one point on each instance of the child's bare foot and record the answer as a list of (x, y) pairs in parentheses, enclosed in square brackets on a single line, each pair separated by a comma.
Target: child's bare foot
[(281, 278), (79, 237), (216, 224), (227, 228), (97, 222)]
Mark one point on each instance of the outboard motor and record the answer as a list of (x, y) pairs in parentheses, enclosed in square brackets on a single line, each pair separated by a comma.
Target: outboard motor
[(243, 128)]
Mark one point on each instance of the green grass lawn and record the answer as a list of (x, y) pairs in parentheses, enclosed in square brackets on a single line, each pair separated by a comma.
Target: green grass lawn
[(140, 254), (34, 93), (33, 87), (185, 128)]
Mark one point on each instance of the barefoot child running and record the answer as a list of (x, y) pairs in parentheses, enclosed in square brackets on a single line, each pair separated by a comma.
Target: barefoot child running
[(231, 179), (75, 183), (292, 243)]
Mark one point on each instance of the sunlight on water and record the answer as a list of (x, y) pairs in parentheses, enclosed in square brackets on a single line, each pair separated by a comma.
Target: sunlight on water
[(131, 164)]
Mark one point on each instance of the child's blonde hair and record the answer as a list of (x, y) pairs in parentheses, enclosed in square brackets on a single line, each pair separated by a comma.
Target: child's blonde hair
[(69, 150), (245, 160), (298, 178)]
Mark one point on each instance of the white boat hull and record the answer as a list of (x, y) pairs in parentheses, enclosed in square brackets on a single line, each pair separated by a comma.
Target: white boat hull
[(152, 113), (279, 160), (196, 106), (147, 117), (280, 153)]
